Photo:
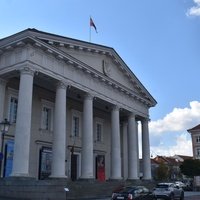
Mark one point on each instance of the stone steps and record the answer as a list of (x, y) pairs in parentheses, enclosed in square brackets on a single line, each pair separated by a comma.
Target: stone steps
[(52, 189)]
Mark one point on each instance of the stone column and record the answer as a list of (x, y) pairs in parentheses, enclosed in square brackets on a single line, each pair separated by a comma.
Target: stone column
[(87, 171), (132, 148), (146, 150), (2, 102), (23, 124), (59, 134), (138, 160), (125, 150), (2, 98), (115, 145)]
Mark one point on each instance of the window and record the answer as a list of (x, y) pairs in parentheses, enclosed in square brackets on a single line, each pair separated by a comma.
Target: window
[(75, 126), (198, 152), (13, 109), (76, 123), (12, 105), (98, 130), (47, 116), (197, 139)]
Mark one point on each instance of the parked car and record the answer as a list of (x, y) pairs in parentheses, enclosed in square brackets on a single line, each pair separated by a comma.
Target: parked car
[(133, 193), (168, 191), (180, 184), (185, 184)]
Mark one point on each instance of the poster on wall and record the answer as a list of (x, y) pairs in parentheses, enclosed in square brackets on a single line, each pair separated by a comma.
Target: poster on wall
[(100, 160), (45, 163), (8, 158)]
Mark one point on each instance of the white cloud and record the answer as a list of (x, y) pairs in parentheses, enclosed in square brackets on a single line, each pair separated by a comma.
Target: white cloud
[(169, 135), (195, 10), (180, 119), (183, 146)]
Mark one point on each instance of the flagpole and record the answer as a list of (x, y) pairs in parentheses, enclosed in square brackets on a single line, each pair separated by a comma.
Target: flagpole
[(92, 25), (90, 35), (90, 30)]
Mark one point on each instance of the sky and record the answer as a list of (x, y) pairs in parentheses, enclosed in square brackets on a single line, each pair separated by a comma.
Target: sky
[(158, 39)]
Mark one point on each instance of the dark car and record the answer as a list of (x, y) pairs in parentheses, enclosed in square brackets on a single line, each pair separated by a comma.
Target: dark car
[(133, 193), (168, 191)]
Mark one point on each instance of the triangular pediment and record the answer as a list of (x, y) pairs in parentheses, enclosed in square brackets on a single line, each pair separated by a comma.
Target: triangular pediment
[(101, 61)]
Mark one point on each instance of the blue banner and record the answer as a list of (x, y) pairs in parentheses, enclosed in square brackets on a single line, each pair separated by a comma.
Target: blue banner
[(9, 157)]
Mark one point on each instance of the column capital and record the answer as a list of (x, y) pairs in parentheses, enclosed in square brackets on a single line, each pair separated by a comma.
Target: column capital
[(146, 119), (88, 96), (115, 108), (131, 115), (27, 70), (62, 85)]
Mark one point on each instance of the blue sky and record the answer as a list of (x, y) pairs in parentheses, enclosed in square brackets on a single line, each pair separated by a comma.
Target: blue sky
[(158, 40)]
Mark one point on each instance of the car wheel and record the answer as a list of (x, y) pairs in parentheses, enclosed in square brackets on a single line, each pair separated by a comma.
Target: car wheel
[(182, 196)]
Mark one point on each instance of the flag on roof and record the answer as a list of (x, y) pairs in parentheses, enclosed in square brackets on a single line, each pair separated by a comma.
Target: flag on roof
[(92, 24)]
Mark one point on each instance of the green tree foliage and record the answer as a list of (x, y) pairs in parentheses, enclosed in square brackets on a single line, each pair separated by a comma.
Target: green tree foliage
[(190, 167), (162, 172)]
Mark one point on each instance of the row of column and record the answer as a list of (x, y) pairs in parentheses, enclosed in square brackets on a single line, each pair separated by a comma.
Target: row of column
[(23, 133)]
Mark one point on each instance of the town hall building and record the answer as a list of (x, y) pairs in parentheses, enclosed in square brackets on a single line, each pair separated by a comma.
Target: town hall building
[(73, 109)]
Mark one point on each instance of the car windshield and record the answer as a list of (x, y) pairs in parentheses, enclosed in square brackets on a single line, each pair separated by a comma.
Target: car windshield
[(162, 186), (128, 189)]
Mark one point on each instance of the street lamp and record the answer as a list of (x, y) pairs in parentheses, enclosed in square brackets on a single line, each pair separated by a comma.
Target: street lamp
[(4, 127)]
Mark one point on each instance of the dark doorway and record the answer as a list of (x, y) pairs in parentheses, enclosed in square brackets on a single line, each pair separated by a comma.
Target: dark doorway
[(45, 160), (74, 164)]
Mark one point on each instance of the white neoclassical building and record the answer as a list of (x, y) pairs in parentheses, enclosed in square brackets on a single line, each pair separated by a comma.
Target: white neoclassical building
[(74, 109)]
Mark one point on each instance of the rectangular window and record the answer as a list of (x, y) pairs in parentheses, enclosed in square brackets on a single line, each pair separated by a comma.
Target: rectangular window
[(197, 139), (13, 109), (75, 126), (198, 152), (47, 116), (98, 129), (99, 132), (76, 123)]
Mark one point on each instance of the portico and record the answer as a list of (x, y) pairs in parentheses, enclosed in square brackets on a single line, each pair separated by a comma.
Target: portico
[(72, 98)]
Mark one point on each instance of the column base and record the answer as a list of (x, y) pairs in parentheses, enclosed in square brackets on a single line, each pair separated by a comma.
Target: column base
[(21, 175), (57, 177), (20, 178)]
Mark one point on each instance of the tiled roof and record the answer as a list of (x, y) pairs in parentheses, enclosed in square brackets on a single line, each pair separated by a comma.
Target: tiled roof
[(185, 157), (194, 128)]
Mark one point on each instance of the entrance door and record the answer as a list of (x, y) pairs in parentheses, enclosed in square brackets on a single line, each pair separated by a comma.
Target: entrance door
[(45, 160), (100, 167), (74, 164)]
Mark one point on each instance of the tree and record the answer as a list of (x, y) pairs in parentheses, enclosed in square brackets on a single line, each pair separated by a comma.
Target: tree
[(190, 167), (162, 172)]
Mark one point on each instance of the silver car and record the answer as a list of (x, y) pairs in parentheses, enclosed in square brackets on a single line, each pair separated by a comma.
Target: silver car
[(168, 191)]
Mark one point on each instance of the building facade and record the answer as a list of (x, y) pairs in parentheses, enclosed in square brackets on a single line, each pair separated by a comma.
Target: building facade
[(195, 136), (74, 109)]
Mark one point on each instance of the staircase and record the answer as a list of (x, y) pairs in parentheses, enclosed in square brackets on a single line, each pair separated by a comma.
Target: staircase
[(53, 189)]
